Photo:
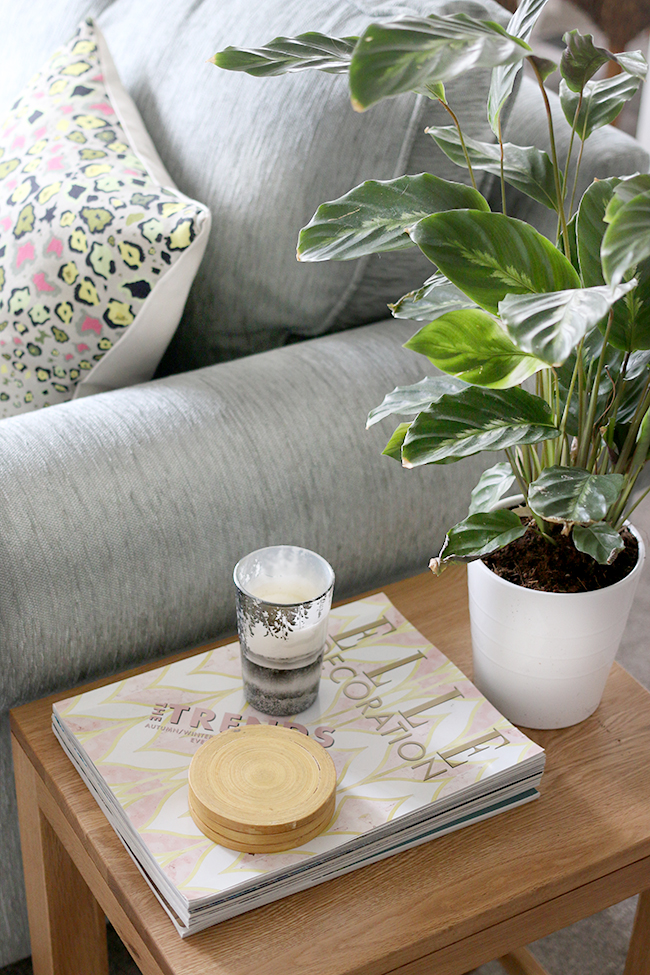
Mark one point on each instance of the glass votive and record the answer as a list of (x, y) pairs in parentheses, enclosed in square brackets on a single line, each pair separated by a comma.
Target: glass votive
[(284, 595)]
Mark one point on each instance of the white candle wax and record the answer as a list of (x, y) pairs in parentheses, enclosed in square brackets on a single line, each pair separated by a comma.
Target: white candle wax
[(282, 592), (304, 642), (292, 580), (310, 634)]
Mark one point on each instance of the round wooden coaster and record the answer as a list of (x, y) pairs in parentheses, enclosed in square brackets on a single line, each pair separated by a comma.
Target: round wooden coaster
[(261, 842), (261, 788)]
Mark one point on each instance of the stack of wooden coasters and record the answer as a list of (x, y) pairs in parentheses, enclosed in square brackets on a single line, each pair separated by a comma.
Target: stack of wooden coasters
[(261, 789)]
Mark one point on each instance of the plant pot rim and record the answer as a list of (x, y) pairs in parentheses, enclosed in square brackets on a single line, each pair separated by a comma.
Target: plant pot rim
[(516, 499)]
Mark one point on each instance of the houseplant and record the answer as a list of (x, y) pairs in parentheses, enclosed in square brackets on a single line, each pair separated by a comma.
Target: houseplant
[(506, 308)]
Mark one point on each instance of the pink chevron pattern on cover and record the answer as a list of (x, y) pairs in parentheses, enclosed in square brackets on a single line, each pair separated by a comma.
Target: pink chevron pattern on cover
[(404, 727)]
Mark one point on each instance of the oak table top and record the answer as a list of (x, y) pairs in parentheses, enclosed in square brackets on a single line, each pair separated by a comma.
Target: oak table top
[(441, 908)]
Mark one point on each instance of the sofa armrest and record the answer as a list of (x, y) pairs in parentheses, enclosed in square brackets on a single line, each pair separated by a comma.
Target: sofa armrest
[(124, 513), (608, 152)]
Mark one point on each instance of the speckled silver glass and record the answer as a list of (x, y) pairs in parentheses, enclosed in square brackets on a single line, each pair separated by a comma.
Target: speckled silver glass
[(284, 595)]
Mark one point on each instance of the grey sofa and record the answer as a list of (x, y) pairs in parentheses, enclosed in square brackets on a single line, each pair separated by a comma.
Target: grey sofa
[(124, 513)]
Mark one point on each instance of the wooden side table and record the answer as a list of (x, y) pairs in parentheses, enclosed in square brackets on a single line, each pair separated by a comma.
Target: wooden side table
[(444, 907)]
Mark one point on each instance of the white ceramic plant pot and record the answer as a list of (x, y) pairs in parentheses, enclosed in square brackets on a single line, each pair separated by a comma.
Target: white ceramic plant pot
[(543, 658)]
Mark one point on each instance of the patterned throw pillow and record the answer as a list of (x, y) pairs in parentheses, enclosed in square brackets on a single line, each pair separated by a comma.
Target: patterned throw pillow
[(98, 248)]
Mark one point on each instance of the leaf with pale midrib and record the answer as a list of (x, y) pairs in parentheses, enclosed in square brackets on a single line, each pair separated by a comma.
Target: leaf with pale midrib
[(409, 400), (413, 52), (492, 485), (527, 168), (550, 326), (573, 495), (471, 345), (600, 541), (476, 419), (436, 297), (478, 535), (288, 54), (374, 216), (489, 255)]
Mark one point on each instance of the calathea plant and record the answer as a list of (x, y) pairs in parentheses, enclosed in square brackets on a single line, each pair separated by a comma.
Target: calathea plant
[(507, 310)]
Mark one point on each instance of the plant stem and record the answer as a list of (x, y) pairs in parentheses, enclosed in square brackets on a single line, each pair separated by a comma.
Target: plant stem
[(602, 462), (504, 208), (565, 414), (565, 176), (616, 514), (586, 433), (575, 178), (581, 386), (630, 440), (519, 475), (462, 141), (582, 148), (624, 516), (619, 389), (537, 467), (523, 487), (548, 449), (556, 168)]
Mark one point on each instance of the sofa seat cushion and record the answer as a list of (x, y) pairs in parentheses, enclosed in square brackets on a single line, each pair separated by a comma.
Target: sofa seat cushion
[(97, 246)]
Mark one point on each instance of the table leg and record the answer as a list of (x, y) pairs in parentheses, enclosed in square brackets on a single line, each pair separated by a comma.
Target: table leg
[(638, 956), (66, 924), (521, 962)]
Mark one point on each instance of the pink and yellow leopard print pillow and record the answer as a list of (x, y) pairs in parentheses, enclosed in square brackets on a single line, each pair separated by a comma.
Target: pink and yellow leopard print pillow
[(98, 248)]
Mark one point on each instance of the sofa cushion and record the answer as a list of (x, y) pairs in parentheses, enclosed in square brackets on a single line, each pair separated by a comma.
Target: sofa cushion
[(264, 153), (97, 246)]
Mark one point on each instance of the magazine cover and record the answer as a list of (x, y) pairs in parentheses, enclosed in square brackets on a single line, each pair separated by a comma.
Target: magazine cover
[(417, 750)]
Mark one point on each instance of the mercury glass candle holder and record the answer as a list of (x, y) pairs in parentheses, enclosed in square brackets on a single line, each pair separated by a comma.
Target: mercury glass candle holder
[(284, 595)]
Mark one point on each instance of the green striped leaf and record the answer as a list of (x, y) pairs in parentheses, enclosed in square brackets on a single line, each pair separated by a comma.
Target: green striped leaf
[(409, 400), (473, 420), (413, 52), (591, 227), (285, 54), (476, 536), (374, 216), (572, 495), (601, 103), (605, 197), (626, 188), (627, 239), (436, 297), (503, 77), (489, 255), (473, 346), (550, 326), (582, 59), (527, 168)]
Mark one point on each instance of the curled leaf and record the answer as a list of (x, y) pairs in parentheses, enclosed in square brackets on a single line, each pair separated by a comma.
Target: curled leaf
[(582, 59), (478, 535), (436, 297), (600, 541)]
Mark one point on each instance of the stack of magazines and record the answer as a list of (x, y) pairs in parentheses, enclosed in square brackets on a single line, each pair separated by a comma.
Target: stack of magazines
[(418, 752)]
